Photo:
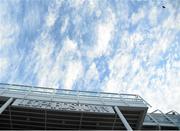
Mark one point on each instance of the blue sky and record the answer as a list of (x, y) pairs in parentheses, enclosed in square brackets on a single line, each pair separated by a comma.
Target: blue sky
[(117, 46)]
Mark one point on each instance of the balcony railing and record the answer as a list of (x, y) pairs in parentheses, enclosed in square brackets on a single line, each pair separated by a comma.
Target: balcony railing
[(34, 92)]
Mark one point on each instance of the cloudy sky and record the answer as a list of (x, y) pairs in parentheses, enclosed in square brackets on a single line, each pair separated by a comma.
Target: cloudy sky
[(117, 46)]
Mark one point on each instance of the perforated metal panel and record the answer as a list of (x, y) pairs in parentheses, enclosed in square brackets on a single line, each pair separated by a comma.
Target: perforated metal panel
[(63, 106)]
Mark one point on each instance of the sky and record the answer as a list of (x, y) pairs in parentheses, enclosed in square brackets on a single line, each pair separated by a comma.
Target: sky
[(119, 46)]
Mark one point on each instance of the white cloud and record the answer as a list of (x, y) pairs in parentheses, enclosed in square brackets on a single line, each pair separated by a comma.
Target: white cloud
[(130, 41), (137, 16), (172, 22), (69, 46), (9, 29), (90, 78), (69, 57), (92, 4), (3, 65), (153, 15), (163, 39), (136, 37), (165, 90), (8, 33), (112, 86), (135, 65), (53, 11), (45, 50), (104, 35), (32, 18), (139, 74), (76, 3), (157, 86), (118, 67), (177, 23), (132, 67), (51, 18), (122, 11), (60, 70), (65, 24), (74, 72), (41, 57), (92, 73), (98, 13)]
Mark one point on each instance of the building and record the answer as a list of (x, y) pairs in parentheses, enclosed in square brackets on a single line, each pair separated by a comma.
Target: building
[(28, 107)]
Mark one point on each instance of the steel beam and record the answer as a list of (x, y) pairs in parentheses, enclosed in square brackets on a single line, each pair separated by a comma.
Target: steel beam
[(5, 105), (123, 119), (165, 116), (158, 125)]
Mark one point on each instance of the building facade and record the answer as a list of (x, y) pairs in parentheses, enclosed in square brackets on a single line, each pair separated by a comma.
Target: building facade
[(28, 107)]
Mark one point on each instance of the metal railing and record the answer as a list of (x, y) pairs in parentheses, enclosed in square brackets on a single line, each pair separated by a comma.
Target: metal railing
[(159, 118), (104, 96)]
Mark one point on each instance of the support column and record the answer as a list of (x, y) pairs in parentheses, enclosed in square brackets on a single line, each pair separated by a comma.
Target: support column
[(123, 119), (5, 105)]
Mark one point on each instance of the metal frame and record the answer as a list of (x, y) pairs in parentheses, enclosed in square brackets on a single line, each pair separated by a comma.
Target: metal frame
[(159, 127), (165, 116), (32, 92), (123, 119), (57, 117), (160, 124), (5, 105), (173, 112)]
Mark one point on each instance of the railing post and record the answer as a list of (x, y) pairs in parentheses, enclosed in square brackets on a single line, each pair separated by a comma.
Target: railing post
[(122, 99), (77, 96)]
